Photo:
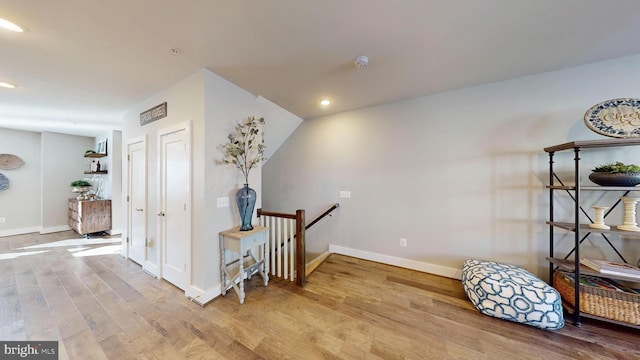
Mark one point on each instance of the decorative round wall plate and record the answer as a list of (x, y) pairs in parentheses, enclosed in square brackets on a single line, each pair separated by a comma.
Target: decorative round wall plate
[(4, 182), (10, 162), (619, 118)]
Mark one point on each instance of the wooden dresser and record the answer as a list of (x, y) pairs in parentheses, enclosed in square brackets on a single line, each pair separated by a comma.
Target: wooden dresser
[(89, 216)]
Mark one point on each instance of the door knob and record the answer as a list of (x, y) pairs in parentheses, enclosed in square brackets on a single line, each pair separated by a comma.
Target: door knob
[(161, 213), (138, 209)]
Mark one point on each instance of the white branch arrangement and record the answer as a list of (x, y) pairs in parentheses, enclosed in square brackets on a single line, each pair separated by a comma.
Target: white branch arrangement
[(244, 148)]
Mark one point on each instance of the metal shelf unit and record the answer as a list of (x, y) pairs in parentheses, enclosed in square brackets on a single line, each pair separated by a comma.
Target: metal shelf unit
[(581, 231)]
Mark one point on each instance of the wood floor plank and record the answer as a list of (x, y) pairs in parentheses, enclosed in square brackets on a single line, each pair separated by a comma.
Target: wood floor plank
[(10, 307), (121, 346), (83, 345)]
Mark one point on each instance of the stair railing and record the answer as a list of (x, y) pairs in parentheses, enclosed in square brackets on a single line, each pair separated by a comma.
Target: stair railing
[(287, 258)]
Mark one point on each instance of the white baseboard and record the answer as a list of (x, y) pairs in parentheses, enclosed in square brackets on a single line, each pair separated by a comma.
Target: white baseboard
[(200, 296), (12, 232), (396, 261), (115, 232), (53, 229)]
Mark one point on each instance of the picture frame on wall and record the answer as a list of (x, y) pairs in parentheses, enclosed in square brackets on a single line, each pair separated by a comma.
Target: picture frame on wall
[(102, 147)]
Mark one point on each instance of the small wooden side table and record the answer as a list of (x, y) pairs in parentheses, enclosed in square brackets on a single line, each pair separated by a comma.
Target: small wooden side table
[(243, 266)]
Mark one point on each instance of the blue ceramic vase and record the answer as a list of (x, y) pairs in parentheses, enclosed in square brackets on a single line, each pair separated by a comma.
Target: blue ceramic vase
[(246, 200)]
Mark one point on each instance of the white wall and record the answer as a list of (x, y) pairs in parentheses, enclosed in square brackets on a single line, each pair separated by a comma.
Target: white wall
[(115, 182), (18, 202), (39, 192), (62, 162), (225, 105), (459, 174), (279, 125)]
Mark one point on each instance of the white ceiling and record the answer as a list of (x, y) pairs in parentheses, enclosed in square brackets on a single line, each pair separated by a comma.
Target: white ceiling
[(82, 63)]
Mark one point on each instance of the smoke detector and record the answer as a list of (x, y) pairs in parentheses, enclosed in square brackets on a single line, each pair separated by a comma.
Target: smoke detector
[(361, 62)]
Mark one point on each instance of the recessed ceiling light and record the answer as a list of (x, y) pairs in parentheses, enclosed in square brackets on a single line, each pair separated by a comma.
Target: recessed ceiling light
[(325, 102), (7, 85), (6, 24)]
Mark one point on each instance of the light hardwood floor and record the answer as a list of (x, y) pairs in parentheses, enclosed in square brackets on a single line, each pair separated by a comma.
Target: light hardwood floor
[(101, 306)]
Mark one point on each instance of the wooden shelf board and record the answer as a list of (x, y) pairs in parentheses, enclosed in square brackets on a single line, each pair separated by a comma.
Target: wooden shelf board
[(593, 144), (250, 266), (594, 188), (95, 155), (569, 266), (97, 172), (584, 228)]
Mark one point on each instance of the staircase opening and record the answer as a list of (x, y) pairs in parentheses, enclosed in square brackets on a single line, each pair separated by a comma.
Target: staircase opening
[(288, 243)]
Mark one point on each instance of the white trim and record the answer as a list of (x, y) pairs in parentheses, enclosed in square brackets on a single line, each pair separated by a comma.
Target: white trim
[(396, 261), (151, 269), (54, 229), (115, 232), (19, 231), (200, 296)]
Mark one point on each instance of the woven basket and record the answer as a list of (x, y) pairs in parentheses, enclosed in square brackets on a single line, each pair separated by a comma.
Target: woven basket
[(610, 304)]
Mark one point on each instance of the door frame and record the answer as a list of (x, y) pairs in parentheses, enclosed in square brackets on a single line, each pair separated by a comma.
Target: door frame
[(146, 265), (182, 126)]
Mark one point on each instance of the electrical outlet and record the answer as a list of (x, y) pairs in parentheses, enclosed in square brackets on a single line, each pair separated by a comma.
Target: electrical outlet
[(223, 202), (345, 194), (403, 242), (3, 220)]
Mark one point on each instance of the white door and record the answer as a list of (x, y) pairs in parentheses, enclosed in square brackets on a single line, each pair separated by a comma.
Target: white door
[(137, 201), (175, 215)]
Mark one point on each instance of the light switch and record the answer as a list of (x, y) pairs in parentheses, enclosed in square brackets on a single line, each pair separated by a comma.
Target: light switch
[(345, 194), (223, 202)]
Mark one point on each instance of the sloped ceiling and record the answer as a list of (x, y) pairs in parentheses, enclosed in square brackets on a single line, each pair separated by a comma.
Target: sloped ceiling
[(82, 63)]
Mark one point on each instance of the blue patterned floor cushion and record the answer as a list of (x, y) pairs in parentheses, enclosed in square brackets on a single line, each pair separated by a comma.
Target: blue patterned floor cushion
[(512, 293)]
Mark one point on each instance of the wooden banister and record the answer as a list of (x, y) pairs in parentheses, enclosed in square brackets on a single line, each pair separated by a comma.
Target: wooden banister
[(325, 213), (300, 248), (275, 214)]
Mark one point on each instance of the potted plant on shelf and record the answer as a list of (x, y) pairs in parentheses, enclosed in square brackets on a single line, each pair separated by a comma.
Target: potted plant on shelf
[(81, 187), (244, 149), (616, 174)]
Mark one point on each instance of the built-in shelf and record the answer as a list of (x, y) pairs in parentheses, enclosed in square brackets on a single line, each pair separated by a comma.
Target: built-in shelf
[(94, 155)]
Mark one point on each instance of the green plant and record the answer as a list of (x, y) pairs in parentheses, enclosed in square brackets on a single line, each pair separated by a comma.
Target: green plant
[(79, 183), (244, 148), (617, 167)]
